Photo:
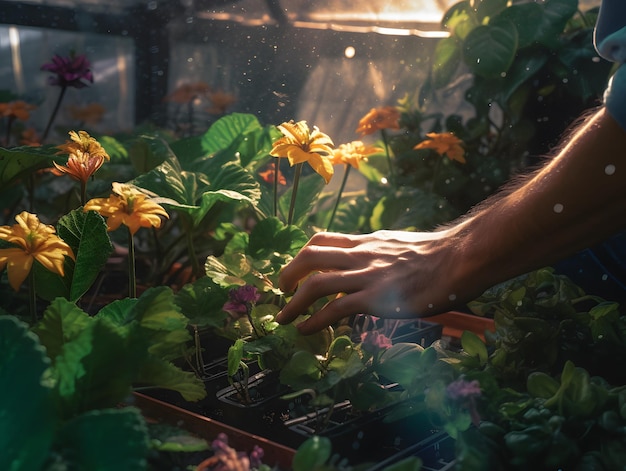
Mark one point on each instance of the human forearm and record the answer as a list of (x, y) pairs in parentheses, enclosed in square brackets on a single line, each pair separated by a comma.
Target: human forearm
[(576, 200)]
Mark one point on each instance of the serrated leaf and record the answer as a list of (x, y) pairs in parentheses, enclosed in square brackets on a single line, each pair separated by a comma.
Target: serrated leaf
[(28, 418), (62, 321), (80, 367), (86, 233)]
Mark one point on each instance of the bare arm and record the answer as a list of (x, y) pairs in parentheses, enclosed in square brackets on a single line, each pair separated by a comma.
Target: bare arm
[(576, 200)]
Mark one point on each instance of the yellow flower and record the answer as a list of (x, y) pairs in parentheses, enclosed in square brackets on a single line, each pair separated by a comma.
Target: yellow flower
[(387, 117), (299, 144), (353, 153), (129, 206), (34, 241), (86, 156), (444, 143)]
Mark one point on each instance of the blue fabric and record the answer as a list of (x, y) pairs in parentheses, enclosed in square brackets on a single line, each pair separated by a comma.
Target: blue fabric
[(610, 42)]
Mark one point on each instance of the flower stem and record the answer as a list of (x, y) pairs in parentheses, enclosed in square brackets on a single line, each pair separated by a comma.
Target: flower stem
[(132, 281), (32, 296), (294, 191), (8, 135), (54, 114), (276, 170), (392, 176), (341, 188), (83, 193)]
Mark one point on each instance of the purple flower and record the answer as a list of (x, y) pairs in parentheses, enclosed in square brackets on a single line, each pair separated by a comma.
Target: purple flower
[(372, 341), (240, 299), (71, 71), (462, 389), (466, 392)]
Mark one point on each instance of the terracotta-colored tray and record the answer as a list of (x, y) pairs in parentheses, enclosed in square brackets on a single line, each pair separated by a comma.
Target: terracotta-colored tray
[(275, 454)]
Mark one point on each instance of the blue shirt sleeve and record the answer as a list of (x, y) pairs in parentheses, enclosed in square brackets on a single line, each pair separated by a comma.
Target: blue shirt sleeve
[(610, 42)]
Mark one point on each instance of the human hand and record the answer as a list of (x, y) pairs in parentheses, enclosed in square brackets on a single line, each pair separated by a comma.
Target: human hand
[(392, 274)]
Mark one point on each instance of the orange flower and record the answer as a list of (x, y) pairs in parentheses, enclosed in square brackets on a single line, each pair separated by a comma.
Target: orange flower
[(220, 101), (86, 156), (188, 92), (387, 117), (129, 206), (30, 138), (299, 145), (353, 153), (268, 176), (34, 241), (16, 110), (90, 114), (444, 143)]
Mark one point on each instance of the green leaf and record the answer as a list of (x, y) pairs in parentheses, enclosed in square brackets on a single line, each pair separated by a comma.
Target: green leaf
[(22, 161), (62, 321), (445, 61), (312, 454), (286, 240), (526, 17), (235, 356), (397, 363), (541, 385), (162, 374), (86, 233), (104, 440), (28, 417), (474, 346), (307, 194), (80, 369), (302, 371), (202, 301), (489, 50)]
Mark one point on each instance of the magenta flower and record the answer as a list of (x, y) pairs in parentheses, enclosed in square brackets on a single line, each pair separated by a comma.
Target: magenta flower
[(465, 393), (71, 71), (372, 341), (462, 389), (240, 299)]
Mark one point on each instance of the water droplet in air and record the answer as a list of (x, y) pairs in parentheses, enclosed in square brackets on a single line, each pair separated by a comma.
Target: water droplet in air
[(558, 208), (609, 169), (452, 297)]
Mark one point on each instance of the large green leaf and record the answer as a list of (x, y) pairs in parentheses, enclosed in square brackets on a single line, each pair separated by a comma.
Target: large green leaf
[(28, 418), (271, 236), (489, 50), (86, 233), (192, 193), (202, 301), (95, 369), (21, 161), (105, 440), (229, 132), (62, 321)]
